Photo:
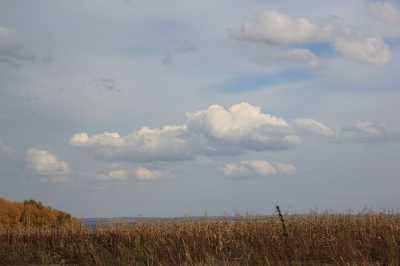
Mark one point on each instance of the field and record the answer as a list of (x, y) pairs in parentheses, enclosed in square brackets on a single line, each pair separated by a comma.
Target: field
[(314, 239)]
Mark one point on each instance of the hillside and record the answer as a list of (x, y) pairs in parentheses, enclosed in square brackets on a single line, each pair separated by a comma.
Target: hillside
[(33, 214)]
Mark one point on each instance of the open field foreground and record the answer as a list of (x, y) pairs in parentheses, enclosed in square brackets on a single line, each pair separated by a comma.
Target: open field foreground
[(325, 239)]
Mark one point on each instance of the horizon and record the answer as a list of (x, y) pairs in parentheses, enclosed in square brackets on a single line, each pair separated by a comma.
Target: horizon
[(127, 108)]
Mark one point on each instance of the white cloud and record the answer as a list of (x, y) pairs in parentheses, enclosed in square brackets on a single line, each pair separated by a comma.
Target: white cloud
[(385, 12), (314, 127), (274, 27), (257, 168), (145, 174), (120, 175), (366, 131), (146, 144), (47, 165), (214, 131), (113, 175), (243, 125), (365, 50)]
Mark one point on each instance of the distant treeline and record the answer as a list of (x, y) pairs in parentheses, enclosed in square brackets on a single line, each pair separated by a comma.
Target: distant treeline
[(33, 214)]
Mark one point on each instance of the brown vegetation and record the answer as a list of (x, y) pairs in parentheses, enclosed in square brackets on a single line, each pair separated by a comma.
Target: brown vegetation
[(324, 239), (32, 214)]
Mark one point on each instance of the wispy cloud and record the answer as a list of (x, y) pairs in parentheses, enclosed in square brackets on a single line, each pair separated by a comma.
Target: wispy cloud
[(265, 80)]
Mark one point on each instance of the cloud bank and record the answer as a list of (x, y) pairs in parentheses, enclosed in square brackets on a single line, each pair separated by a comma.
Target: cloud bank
[(213, 131), (275, 28)]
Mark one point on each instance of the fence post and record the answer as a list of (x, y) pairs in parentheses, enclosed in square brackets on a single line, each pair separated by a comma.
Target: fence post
[(285, 236)]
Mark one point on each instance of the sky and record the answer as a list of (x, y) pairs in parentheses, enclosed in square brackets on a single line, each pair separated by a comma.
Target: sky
[(183, 108)]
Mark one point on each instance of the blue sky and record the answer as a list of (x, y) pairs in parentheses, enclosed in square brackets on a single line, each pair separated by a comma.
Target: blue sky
[(175, 108)]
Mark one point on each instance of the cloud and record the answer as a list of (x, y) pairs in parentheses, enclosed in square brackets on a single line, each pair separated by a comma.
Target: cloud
[(117, 175), (365, 131), (147, 175), (213, 131), (141, 174), (365, 50), (314, 127), (273, 27), (11, 51), (257, 168), (47, 165), (285, 168), (242, 125), (146, 144), (288, 58), (305, 56), (385, 12)]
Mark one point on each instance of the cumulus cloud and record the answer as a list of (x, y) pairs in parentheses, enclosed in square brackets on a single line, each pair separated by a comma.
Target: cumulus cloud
[(257, 168), (242, 125), (367, 131), (213, 131), (11, 51), (274, 27), (385, 12), (314, 127), (365, 50), (146, 144), (147, 175), (47, 165)]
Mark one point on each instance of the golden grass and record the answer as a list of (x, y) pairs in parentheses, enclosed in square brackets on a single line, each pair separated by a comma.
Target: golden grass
[(324, 239)]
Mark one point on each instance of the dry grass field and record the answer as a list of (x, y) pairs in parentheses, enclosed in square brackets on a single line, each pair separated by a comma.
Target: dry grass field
[(315, 239)]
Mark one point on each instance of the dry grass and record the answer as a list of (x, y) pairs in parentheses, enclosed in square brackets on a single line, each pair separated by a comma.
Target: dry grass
[(368, 239)]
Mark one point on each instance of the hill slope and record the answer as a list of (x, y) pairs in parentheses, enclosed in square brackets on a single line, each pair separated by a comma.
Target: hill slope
[(33, 214)]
